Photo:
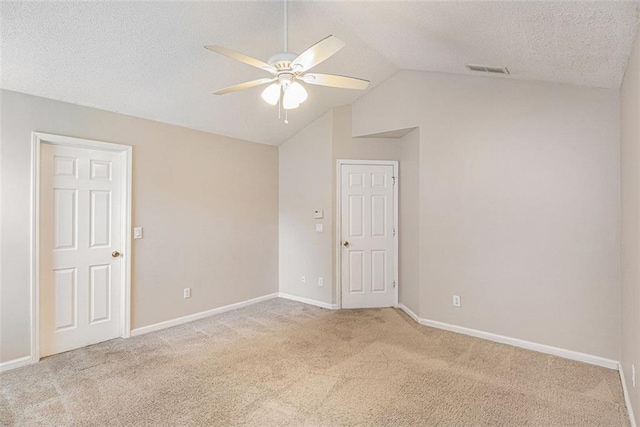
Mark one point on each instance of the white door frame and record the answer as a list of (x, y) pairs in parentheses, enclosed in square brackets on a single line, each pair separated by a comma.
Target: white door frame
[(338, 243), (38, 138)]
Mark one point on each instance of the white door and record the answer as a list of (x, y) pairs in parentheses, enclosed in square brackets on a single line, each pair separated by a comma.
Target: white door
[(368, 237), (80, 241)]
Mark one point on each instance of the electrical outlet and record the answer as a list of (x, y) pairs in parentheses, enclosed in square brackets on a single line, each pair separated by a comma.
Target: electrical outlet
[(186, 293), (456, 301), (320, 281), (633, 375), (303, 279)]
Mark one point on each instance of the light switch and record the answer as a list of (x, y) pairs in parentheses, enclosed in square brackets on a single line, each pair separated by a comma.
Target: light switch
[(319, 228), (137, 232), (318, 214)]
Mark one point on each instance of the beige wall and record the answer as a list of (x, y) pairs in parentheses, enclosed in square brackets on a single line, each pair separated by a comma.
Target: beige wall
[(346, 147), (513, 186), (305, 174), (630, 188), (519, 203), (409, 222), (307, 164), (208, 205)]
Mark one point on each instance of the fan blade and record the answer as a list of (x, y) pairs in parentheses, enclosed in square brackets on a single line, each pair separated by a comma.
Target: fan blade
[(316, 54), (245, 85), (333, 80), (242, 58)]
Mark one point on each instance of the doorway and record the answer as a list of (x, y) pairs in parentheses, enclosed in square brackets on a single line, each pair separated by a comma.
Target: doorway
[(80, 243), (367, 233)]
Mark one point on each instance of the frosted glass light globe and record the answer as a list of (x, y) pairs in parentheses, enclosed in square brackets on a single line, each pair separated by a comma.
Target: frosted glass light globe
[(271, 94)]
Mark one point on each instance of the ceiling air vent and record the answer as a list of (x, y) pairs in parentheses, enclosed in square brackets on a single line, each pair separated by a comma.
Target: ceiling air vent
[(488, 69)]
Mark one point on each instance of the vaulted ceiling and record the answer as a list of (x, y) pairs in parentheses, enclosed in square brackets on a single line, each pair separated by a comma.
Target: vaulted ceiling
[(147, 58)]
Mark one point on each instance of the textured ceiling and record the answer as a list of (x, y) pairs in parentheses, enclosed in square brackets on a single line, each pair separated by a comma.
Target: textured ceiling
[(147, 58)]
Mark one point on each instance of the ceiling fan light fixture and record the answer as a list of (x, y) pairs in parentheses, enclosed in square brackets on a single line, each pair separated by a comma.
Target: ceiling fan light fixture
[(298, 91), (289, 100), (271, 94)]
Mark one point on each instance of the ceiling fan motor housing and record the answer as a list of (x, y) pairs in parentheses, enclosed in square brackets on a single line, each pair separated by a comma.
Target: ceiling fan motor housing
[(285, 78), (282, 61)]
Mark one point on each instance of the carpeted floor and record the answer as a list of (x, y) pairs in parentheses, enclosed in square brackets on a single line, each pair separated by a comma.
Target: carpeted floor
[(281, 363)]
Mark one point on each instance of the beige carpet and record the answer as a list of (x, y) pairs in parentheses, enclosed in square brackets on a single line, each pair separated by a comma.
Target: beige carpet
[(290, 364)]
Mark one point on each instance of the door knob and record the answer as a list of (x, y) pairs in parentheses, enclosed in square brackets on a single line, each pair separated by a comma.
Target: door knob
[(115, 254), (345, 243)]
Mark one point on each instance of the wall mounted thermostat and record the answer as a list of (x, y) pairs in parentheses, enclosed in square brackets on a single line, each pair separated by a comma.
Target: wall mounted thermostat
[(318, 214)]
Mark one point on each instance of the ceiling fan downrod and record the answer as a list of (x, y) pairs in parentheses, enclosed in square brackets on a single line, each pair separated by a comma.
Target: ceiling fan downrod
[(286, 26), (286, 49)]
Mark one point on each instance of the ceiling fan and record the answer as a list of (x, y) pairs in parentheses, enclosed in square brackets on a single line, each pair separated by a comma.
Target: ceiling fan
[(288, 70)]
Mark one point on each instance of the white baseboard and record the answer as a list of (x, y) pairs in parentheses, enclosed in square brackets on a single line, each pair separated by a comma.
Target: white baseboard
[(542, 348), (409, 312), (15, 363), (200, 315), (627, 399), (308, 301)]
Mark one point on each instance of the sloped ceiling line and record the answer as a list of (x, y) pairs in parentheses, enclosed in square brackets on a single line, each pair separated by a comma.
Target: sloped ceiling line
[(147, 59)]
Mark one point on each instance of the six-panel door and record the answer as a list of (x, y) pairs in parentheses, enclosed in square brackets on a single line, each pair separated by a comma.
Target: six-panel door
[(80, 229), (368, 243)]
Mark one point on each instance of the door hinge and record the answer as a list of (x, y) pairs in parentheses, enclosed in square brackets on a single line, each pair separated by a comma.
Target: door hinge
[(394, 231), (394, 180), (394, 284)]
